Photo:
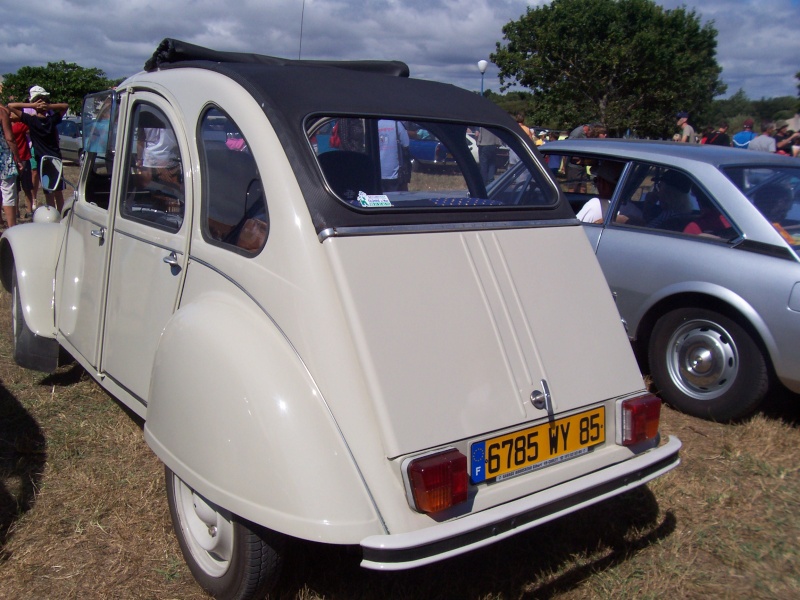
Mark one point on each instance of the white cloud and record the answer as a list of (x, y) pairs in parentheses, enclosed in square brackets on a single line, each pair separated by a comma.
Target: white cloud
[(758, 43)]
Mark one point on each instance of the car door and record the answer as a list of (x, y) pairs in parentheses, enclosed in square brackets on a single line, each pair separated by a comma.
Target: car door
[(662, 230), (149, 242), (81, 277)]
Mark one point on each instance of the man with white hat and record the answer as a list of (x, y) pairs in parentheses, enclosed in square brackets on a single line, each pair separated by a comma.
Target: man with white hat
[(42, 130)]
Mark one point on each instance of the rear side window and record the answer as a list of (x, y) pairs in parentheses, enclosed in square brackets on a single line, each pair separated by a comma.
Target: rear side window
[(775, 192), (234, 210), (389, 164)]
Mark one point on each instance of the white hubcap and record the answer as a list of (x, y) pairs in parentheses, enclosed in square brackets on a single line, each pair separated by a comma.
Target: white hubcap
[(207, 528)]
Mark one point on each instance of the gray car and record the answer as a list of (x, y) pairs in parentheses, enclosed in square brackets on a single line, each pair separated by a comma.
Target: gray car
[(699, 245), (70, 138)]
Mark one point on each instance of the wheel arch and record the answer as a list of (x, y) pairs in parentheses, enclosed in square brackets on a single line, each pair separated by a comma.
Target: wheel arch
[(32, 249), (235, 413), (722, 301)]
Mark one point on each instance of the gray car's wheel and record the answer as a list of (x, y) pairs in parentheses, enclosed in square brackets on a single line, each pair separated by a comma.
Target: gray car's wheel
[(229, 557), (705, 364), (30, 350)]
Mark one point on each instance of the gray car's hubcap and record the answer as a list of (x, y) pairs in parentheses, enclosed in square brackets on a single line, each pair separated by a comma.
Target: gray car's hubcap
[(702, 359)]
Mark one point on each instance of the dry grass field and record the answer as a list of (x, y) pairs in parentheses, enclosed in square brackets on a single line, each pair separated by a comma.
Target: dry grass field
[(83, 515)]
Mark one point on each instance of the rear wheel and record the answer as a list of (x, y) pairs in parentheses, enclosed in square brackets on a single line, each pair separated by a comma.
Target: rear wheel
[(229, 557), (705, 364)]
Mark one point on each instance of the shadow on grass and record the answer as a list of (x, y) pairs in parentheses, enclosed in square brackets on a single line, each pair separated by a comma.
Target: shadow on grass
[(64, 377), (70, 376), (542, 563), (784, 405), (23, 453)]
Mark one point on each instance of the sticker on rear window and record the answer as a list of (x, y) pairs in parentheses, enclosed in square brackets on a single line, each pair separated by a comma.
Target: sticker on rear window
[(367, 201)]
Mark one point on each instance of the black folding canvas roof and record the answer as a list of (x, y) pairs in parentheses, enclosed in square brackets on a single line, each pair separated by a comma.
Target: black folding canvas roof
[(292, 91)]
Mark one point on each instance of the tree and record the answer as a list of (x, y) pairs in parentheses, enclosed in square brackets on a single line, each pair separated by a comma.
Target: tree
[(797, 76), (629, 64), (66, 82)]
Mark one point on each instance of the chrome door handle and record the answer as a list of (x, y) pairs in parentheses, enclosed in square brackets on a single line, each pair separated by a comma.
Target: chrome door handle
[(172, 260), (100, 234)]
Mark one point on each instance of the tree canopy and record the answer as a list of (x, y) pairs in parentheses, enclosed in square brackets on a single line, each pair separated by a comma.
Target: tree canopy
[(629, 64), (66, 82)]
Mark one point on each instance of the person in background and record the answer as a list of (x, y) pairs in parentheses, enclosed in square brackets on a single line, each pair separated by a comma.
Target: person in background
[(668, 201), (785, 139), (553, 160), (520, 119), (43, 132), (9, 165), (575, 167), (488, 145), (606, 178), (707, 131), (764, 142), (24, 178), (581, 131), (720, 136), (393, 140), (743, 138), (687, 131)]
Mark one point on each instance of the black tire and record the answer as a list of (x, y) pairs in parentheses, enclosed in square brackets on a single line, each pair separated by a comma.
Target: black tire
[(30, 350), (238, 560), (705, 364)]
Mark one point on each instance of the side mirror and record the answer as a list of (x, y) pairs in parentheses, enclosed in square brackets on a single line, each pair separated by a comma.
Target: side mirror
[(51, 170)]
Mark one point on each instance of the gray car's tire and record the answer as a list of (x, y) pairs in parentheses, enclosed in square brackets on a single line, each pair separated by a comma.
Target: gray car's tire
[(229, 557), (30, 350), (705, 364)]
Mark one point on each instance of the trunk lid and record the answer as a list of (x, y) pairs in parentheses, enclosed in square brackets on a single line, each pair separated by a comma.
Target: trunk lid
[(456, 329)]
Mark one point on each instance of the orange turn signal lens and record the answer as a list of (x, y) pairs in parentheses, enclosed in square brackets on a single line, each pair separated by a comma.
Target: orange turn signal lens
[(438, 481)]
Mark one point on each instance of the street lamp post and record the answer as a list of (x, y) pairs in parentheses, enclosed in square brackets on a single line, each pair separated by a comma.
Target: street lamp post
[(482, 64)]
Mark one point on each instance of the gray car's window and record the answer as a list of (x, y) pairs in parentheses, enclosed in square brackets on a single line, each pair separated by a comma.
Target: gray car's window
[(394, 164), (775, 192), (661, 198), (154, 192), (234, 210), (653, 197)]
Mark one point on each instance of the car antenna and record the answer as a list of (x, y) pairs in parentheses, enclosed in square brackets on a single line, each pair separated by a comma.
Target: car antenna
[(302, 16)]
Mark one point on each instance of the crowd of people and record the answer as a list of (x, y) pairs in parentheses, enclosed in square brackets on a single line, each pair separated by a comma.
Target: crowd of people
[(774, 137), (29, 131)]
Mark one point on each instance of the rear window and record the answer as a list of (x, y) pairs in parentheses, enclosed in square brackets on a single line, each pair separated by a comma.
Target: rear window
[(775, 191), (400, 165)]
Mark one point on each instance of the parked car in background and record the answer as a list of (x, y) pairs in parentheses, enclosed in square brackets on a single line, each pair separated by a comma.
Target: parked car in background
[(407, 372), (431, 154), (699, 245), (70, 137)]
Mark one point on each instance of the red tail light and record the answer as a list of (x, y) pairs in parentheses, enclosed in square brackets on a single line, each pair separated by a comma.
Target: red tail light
[(438, 481), (639, 419)]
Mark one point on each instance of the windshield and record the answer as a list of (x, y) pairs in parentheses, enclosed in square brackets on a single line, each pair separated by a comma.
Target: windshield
[(402, 165), (775, 191)]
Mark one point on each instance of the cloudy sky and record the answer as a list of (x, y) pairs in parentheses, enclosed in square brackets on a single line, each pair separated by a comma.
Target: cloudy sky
[(758, 40)]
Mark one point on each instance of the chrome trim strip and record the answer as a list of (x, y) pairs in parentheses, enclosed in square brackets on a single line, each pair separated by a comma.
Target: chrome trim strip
[(441, 227), (149, 242)]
